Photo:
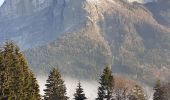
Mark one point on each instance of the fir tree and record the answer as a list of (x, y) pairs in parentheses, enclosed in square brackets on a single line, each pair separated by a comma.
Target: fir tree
[(11, 80), (15, 75), (158, 91), (79, 95), (32, 92), (56, 89), (4, 80), (166, 91), (30, 85), (105, 90)]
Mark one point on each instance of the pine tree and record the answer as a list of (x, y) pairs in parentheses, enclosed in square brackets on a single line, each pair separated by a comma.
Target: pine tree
[(15, 75), (158, 94), (137, 94), (31, 91), (79, 95), (105, 90), (11, 80), (166, 91), (30, 85), (4, 80), (56, 89)]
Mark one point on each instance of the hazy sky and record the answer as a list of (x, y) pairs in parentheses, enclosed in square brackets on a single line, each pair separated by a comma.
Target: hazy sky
[(1, 1)]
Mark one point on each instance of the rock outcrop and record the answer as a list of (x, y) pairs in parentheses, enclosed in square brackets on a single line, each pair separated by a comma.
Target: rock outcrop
[(81, 37)]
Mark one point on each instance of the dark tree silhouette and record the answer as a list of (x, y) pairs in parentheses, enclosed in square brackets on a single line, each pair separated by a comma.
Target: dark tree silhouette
[(105, 90), (79, 95), (56, 89)]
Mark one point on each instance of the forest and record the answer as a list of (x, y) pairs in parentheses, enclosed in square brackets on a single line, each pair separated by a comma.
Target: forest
[(18, 82)]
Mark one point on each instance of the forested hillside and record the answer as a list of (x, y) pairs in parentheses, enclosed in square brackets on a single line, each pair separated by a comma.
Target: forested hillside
[(124, 35), (80, 37)]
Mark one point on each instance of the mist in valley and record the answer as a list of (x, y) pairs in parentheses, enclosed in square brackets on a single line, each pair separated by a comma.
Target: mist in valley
[(90, 87)]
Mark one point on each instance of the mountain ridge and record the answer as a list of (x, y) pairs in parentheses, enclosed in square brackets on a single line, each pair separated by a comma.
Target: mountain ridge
[(81, 37)]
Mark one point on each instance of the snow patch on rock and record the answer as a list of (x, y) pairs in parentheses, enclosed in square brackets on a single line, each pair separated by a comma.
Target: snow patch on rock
[(141, 1), (94, 1)]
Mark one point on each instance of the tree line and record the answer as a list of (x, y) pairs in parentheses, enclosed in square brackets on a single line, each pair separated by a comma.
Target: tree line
[(17, 82)]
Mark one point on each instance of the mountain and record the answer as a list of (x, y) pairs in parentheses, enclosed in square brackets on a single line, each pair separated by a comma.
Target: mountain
[(141, 1), (81, 37), (160, 11), (81, 50), (30, 22)]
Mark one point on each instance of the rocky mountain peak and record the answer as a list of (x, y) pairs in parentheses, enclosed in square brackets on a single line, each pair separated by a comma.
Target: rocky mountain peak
[(21, 7), (141, 1), (89, 33)]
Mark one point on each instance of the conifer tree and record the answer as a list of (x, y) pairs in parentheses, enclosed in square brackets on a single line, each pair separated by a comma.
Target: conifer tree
[(158, 91), (55, 88), (105, 90), (30, 85), (11, 80), (32, 92), (79, 95), (4, 80), (15, 75), (166, 91)]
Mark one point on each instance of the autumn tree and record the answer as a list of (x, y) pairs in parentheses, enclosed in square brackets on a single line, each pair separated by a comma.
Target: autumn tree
[(122, 88), (137, 93), (55, 87), (105, 90), (79, 95)]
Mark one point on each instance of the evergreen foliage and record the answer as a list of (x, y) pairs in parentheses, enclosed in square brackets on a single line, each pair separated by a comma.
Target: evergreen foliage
[(16, 78), (55, 87), (161, 91), (166, 91), (79, 95), (158, 94), (105, 90), (33, 90)]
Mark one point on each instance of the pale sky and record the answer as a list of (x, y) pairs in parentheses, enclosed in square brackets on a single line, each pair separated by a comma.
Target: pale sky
[(1, 1)]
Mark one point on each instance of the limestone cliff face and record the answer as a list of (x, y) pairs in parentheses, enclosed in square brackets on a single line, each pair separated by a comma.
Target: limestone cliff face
[(161, 11), (15, 8), (141, 1), (128, 34), (82, 36), (23, 19)]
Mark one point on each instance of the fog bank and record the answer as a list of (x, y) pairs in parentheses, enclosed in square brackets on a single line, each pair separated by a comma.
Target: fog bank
[(90, 87)]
